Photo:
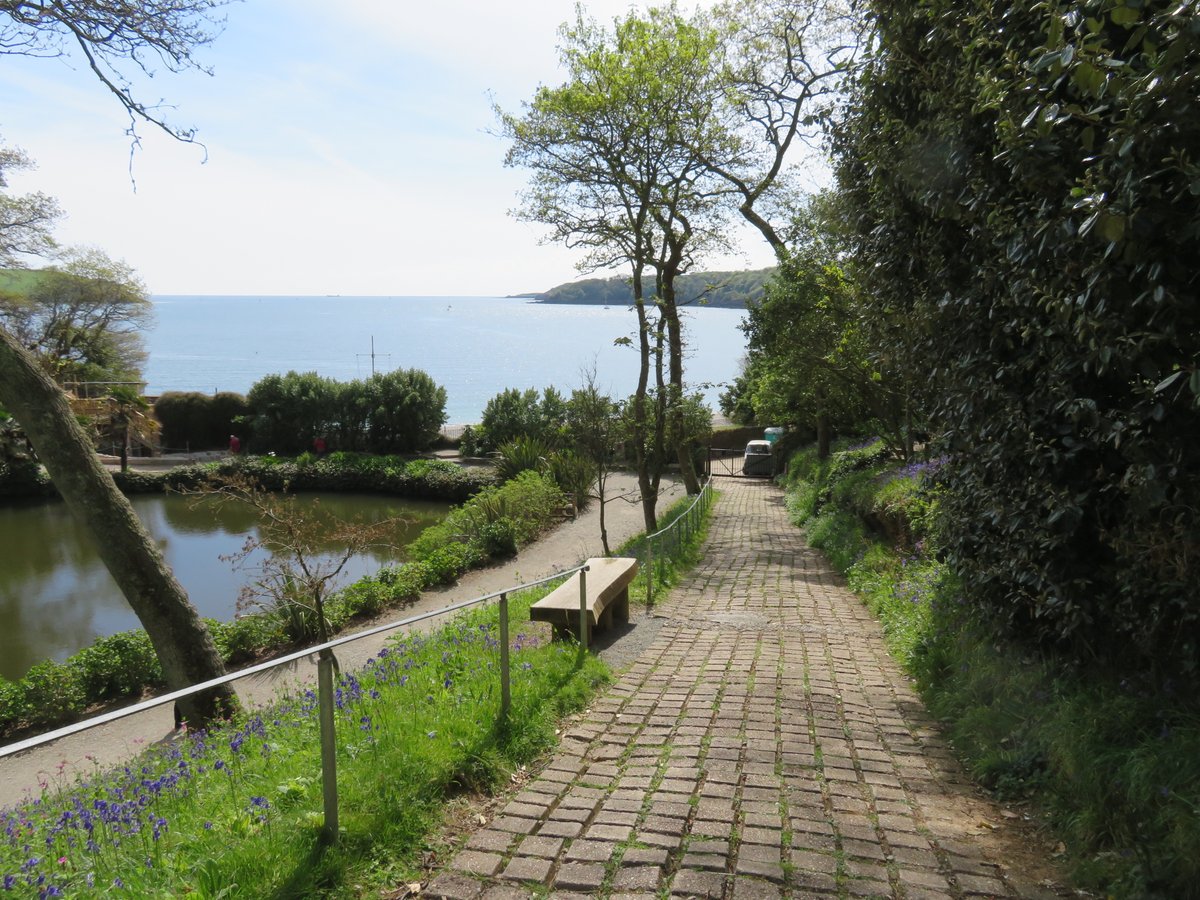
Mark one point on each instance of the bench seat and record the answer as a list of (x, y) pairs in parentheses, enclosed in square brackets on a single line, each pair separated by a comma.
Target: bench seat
[(608, 583)]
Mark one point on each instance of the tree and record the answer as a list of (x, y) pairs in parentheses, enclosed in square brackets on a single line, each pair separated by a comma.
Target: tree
[(25, 221), (811, 363), (182, 643), (782, 72), (304, 554), (109, 34), (594, 425), (615, 173), (82, 318)]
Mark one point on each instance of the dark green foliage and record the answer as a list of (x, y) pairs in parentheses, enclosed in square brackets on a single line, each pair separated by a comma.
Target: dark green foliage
[(574, 472), (731, 290), (1112, 758), (514, 413), (809, 362), (1022, 183), (396, 412), (53, 694), (195, 421), (522, 454)]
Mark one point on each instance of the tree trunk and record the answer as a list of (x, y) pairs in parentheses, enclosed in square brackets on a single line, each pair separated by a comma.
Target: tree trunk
[(648, 491), (183, 644), (823, 435), (687, 468)]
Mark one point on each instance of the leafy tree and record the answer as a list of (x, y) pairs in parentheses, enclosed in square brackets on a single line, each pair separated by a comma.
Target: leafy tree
[(83, 318), (615, 173), (514, 414), (811, 363), (407, 411), (1021, 182), (781, 73), (26, 221)]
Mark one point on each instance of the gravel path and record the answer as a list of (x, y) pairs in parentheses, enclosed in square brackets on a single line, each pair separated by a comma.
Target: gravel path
[(26, 774)]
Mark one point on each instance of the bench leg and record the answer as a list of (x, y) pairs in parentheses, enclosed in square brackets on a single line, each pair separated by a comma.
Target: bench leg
[(620, 606)]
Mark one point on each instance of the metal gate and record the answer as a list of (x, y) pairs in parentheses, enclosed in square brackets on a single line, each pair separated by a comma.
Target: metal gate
[(728, 463), (724, 463)]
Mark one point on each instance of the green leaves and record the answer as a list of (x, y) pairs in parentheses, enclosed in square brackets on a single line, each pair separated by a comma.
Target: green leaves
[(1046, 269)]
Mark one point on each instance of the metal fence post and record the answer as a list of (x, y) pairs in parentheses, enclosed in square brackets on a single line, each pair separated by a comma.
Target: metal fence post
[(583, 610), (505, 685), (649, 571), (325, 663)]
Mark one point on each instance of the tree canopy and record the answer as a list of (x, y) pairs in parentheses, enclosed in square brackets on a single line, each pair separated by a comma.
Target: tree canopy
[(82, 318)]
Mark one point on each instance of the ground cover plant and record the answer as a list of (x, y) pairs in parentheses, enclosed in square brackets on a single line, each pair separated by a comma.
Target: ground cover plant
[(235, 811), (1107, 760)]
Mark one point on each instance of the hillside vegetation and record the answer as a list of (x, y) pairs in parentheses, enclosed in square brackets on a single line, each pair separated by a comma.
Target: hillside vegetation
[(724, 290)]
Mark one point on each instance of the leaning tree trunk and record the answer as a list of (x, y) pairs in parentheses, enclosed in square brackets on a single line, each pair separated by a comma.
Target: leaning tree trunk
[(183, 644)]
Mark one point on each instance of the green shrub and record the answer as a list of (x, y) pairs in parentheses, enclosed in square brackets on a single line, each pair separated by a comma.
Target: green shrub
[(54, 694), (13, 705), (574, 473), (394, 412), (499, 537), (121, 665), (521, 454), (243, 639), (513, 414), (1022, 206)]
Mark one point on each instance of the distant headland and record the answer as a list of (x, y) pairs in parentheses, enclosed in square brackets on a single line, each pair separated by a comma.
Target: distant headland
[(722, 290)]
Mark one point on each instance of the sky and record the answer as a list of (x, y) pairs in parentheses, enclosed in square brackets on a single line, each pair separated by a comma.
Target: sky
[(348, 149)]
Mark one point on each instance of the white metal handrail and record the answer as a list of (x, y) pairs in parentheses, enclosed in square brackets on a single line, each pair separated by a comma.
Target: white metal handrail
[(114, 715)]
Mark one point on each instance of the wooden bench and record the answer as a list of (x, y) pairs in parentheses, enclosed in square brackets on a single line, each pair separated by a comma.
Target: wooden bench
[(607, 598)]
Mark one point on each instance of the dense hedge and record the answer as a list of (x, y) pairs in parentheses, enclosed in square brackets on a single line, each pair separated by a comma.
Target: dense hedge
[(494, 523), (396, 412), (195, 421), (1021, 180)]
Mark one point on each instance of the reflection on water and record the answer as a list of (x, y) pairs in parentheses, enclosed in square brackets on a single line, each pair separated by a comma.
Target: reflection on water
[(56, 596)]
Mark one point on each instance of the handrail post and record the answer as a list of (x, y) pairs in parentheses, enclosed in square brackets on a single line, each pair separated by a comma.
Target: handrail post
[(325, 663), (505, 688), (583, 610), (649, 571)]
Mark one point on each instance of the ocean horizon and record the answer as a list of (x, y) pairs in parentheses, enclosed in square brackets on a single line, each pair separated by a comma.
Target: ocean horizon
[(472, 346)]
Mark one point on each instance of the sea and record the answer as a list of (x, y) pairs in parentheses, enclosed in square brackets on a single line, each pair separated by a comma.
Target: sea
[(474, 347)]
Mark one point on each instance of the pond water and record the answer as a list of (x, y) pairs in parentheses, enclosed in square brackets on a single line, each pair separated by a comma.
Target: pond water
[(56, 596)]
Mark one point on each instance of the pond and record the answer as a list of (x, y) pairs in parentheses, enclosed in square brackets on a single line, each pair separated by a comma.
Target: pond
[(56, 596)]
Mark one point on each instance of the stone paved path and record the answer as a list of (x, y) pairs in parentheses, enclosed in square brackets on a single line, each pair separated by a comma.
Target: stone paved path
[(765, 745)]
